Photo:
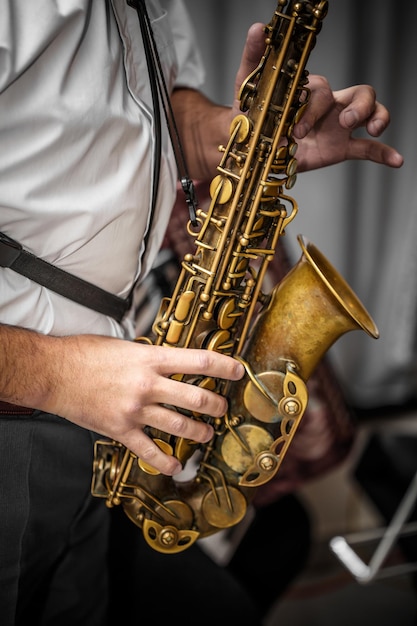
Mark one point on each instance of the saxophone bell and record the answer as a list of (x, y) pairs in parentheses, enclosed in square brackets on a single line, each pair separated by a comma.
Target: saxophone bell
[(307, 312)]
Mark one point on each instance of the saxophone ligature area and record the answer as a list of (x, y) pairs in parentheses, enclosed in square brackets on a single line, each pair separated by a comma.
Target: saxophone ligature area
[(218, 304)]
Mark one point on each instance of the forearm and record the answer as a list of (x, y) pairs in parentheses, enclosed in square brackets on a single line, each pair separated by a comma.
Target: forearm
[(28, 366), (203, 126)]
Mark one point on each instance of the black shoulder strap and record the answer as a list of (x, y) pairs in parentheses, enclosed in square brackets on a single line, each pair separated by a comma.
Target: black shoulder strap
[(13, 255), (159, 86)]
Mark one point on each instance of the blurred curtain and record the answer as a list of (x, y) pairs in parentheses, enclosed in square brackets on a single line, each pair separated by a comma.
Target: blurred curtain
[(361, 215)]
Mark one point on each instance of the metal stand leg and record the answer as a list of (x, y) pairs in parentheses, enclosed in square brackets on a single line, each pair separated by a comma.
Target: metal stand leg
[(363, 573)]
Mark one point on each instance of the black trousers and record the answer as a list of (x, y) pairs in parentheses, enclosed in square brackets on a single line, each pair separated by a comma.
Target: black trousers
[(66, 560), (53, 534), (190, 588)]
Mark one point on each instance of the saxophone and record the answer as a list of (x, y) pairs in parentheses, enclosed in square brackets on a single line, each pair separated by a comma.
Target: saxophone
[(218, 304)]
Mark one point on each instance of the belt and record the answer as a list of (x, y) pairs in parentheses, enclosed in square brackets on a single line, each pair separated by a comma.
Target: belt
[(13, 409)]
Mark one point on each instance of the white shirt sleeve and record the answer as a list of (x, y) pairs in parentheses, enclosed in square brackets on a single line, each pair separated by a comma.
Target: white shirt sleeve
[(191, 71)]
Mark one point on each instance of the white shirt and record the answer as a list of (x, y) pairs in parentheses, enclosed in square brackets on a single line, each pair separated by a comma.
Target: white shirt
[(76, 142)]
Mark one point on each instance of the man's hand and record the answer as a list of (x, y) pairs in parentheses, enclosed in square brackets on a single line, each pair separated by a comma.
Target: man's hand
[(325, 132), (115, 387)]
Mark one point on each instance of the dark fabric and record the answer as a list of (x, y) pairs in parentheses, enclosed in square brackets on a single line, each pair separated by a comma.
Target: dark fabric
[(186, 588), (385, 469), (189, 588), (13, 510), (53, 546), (273, 551)]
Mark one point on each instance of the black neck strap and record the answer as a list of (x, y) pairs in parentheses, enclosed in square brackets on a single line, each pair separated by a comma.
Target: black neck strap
[(13, 256), (160, 94)]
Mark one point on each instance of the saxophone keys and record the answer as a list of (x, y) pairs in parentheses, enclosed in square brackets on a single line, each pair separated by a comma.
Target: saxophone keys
[(292, 148), (281, 154), (320, 11), (240, 128), (148, 469), (291, 168), (221, 188), (290, 182), (295, 399), (184, 305), (168, 538), (224, 507), (174, 328), (268, 463), (184, 449), (220, 341), (262, 470), (174, 332), (227, 314), (243, 444), (262, 394)]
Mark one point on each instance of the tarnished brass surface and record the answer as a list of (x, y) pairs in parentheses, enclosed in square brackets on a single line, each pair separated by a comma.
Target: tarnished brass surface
[(218, 304)]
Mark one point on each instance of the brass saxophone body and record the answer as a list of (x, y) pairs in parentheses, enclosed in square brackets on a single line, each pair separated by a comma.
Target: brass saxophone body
[(218, 304)]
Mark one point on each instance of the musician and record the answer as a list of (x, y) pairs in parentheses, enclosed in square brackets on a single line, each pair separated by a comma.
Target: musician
[(76, 190)]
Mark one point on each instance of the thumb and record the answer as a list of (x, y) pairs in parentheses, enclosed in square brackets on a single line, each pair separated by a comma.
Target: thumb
[(251, 55)]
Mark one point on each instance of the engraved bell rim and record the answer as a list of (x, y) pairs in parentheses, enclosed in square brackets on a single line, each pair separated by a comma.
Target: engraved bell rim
[(344, 294)]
